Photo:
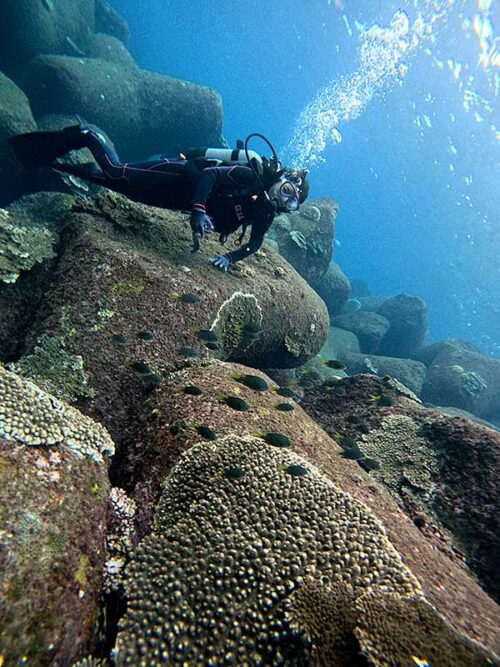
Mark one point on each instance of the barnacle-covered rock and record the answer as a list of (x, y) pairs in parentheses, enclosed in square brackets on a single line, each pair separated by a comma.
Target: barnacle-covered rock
[(22, 246), (54, 370), (385, 627), (30, 416), (225, 552), (446, 467), (53, 504)]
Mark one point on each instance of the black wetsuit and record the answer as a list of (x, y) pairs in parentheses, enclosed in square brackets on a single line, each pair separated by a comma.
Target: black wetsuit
[(231, 194)]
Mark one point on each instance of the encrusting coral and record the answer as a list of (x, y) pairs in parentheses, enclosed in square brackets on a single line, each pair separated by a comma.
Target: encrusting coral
[(208, 584), (32, 417)]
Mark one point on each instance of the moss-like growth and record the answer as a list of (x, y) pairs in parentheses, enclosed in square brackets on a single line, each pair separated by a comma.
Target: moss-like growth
[(22, 245), (237, 324), (54, 370)]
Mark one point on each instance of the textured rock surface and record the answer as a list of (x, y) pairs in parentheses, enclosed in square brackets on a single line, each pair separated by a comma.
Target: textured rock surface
[(334, 288), (411, 373), (369, 328), (23, 227), (444, 470), (53, 500), (15, 117), (464, 379), (123, 268), (305, 238), (29, 28), (170, 422), (163, 114), (278, 519), (407, 316)]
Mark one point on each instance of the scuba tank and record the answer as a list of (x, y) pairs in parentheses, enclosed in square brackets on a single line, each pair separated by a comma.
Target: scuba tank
[(236, 155)]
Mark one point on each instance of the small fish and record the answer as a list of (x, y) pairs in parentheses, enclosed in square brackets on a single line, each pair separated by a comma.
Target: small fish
[(145, 335), (347, 442), (119, 339), (206, 432), (363, 428), (206, 335), (236, 403), (188, 352), (277, 439), (153, 379), (374, 397), (192, 390), (284, 407), (212, 345), (141, 368), (252, 381), (286, 392), (251, 331), (385, 400), (334, 364), (369, 464), (185, 298), (234, 473), (296, 470)]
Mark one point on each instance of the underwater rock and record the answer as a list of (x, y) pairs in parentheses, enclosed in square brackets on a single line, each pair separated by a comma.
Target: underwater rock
[(428, 353), (359, 288), (30, 27), (334, 288), (372, 303), (107, 47), (110, 22), (447, 467), (409, 372), (163, 114), (15, 117), (338, 343), (369, 328), (462, 378), (407, 316), (151, 463), (117, 272), (54, 495), (305, 238)]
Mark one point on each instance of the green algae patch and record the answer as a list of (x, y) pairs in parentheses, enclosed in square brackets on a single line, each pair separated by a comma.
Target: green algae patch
[(22, 245), (82, 569), (55, 370)]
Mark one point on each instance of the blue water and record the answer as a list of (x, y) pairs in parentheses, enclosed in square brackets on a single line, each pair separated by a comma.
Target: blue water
[(417, 169)]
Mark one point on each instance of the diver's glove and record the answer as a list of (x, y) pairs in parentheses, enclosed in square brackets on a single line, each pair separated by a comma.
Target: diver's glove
[(201, 223), (221, 262)]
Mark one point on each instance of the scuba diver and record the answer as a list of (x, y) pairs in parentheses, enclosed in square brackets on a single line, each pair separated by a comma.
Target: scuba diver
[(224, 189)]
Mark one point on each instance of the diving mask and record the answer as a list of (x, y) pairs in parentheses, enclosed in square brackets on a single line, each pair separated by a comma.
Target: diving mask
[(285, 195)]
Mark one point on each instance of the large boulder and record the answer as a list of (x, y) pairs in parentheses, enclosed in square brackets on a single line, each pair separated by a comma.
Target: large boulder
[(408, 372), (369, 328), (54, 492), (444, 471), (334, 288), (305, 238), (110, 22), (462, 378), (339, 343), (129, 294), (163, 114), (407, 316), (15, 118), (247, 497), (31, 28)]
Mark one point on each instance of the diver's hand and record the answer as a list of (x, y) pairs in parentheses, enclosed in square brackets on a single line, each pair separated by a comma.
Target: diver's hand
[(221, 262), (201, 224)]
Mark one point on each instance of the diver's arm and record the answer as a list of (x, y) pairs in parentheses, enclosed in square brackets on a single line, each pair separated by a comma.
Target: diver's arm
[(259, 229)]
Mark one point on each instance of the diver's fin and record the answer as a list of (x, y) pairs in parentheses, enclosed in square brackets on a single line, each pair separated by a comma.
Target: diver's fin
[(87, 171), (42, 148)]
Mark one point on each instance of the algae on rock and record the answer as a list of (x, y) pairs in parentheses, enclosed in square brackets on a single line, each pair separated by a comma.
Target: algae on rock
[(22, 246), (54, 370)]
